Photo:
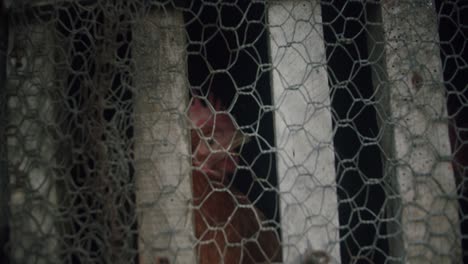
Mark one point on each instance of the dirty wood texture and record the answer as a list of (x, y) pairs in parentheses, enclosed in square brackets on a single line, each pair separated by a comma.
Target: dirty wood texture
[(162, 154), (31, 146), (303, 127), (4, 181), (423, 218)]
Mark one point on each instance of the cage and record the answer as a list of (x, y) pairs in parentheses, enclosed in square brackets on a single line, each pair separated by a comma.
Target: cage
[(282, 131)]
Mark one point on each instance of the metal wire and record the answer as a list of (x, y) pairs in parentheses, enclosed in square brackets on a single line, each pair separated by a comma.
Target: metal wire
[(232, 132)]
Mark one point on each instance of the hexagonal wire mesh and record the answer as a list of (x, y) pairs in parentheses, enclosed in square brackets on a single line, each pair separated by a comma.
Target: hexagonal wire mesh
[(233, 131)]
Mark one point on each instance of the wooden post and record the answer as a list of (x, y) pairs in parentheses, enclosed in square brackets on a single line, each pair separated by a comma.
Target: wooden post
[(303, 126), (4, 192), (30, 145), (162, 149), (404, 53)]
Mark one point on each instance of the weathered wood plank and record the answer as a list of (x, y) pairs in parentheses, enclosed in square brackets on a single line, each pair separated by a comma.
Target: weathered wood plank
[(4, 190), (404, 53), (303, 126), (16, 3), (162, 154), (30, 146)]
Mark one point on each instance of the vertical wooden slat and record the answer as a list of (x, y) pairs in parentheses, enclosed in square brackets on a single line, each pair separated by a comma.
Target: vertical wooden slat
[(404, 52), (162, 155), (30, 145), (4, 193), (306, 167)]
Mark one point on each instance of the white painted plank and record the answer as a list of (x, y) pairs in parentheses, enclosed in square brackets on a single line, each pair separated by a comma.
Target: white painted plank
[(162, 154), (409, 81), (30, 146), (303, 127)]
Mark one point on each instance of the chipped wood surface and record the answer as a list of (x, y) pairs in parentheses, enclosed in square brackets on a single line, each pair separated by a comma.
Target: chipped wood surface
[(407, 74), (162, 154)]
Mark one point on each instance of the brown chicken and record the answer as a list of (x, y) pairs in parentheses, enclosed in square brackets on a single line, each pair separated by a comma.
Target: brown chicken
[(228, 226)]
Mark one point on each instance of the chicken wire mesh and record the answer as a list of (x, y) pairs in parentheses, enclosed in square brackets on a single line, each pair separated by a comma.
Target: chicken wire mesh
[(233, 131)]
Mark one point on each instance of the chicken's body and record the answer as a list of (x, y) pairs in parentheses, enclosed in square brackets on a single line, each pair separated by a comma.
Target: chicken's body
[(228, 226)]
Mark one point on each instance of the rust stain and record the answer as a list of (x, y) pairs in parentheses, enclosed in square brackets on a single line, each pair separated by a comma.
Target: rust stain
[(162, 260), (416, 81)]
